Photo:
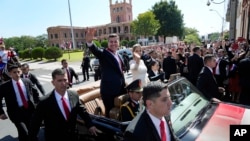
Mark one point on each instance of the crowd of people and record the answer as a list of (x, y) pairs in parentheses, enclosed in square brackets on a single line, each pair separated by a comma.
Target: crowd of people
[(219, 70)]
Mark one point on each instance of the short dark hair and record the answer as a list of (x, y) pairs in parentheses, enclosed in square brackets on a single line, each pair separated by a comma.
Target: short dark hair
[(26, 65), (10, 67), (56, 72), (152, 90), (208, 57), (113, 36), (195, 49), (63, 60)]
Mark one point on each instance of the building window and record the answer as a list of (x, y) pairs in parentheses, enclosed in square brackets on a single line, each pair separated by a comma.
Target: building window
[(82, 35), (120, 8), (104, 31), (51, 36), (118, 19), (56, 36), (65, 35), (76, 35)]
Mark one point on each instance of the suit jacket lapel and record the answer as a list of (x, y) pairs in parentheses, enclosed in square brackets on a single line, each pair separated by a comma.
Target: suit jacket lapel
[(151, 125), (56, 106), (114, 62)]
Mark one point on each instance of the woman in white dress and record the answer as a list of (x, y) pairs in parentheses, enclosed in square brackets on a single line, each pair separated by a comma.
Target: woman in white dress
[(137, 66)]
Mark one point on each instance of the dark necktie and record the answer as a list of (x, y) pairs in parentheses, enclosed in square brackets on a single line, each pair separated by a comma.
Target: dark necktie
[(163, 132), (24, 101), (68, 76), (66, 108)]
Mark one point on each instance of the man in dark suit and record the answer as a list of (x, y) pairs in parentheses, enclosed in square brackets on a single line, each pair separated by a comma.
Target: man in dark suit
[(206, 82), (220, 70), (112, 67), (244, 78), (169, 65), (20, 97), (153, 123), (195, 64), (27, 74), (70, 72), (59, 110), (132, 106), (85, 67)]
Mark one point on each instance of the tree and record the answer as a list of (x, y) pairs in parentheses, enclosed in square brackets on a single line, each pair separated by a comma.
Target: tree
[(124, 43), (191, 36), (104, 43), (42, 40), (170, 19), (145, 25)]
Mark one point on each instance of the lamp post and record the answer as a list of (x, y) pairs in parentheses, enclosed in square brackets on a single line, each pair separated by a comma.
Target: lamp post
[(72, 31), (222, 24), (212, 1)]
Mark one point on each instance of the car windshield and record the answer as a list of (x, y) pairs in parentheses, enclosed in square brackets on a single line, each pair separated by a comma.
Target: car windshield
[(188, 103)]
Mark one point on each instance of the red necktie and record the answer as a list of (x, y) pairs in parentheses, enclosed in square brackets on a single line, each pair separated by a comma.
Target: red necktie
[(24, 101), (66, 108), (163, 132)]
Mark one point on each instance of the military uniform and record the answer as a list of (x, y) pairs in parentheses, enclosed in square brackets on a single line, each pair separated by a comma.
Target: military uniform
[(132, 107), (129, 110)]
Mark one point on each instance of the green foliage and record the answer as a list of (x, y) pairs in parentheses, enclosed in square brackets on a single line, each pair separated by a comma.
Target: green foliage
[(214, 36), (25, 42), (145, 25), (131, 43), (53, 53), (170, 19), (226, 35), (37, 52), (97, 43), (104, 43), (191, 38), (25, 54), (124, 43)]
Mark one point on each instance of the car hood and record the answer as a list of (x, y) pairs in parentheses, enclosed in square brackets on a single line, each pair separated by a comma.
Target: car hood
[(218, 127)]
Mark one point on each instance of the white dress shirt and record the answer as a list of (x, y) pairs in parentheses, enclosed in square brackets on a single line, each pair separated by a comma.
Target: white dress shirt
[(18, 96), (157, 122), (59, 102)]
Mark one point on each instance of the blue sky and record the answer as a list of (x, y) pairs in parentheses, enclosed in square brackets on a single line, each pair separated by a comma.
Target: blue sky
[(32, 17)]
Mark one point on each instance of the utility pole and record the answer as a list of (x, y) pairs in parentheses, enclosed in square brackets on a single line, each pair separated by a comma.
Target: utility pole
[(72, 31)]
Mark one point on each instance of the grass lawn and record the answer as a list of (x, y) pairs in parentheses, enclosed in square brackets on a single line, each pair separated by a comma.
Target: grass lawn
[(72, 57)]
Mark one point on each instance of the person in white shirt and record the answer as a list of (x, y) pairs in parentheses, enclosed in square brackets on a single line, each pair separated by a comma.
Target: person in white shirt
[(137, 66)]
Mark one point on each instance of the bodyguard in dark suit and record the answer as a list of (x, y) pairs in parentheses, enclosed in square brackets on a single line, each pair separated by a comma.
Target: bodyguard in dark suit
[(169, 65), (70, 72), (153, 123), (206, 82), (20, 97), (59, 110), (195, 64), (132, 106), (244, 78), (220, 70), (85, 67), (26, 74), (112, 67)]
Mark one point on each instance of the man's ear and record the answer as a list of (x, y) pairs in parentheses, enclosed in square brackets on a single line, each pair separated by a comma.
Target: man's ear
[(148, 103)]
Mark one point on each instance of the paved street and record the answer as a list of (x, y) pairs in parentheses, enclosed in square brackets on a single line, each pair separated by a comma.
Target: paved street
[(43, 72)]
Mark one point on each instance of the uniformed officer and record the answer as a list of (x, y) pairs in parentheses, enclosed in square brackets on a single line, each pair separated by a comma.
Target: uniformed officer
[(130, 108)]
